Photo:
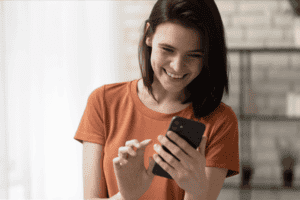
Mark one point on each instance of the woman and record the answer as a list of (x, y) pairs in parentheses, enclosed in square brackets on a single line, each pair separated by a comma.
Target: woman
[(183, 62)]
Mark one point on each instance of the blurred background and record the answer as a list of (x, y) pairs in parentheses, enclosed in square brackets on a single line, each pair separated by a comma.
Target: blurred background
[(53, 54)]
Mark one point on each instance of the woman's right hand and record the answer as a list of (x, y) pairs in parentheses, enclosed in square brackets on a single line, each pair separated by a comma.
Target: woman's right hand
[(132, 177)]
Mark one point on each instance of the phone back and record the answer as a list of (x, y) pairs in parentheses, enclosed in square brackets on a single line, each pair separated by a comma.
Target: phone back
[(189, 130)]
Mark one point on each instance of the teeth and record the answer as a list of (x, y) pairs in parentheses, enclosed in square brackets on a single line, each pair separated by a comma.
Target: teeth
[(173, 76)]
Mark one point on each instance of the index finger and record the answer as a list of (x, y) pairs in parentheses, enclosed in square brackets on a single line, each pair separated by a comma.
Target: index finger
[(181, 143), (132, 143), (145, 142)]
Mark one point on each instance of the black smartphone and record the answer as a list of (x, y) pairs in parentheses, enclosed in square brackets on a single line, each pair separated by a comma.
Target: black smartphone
[(189, 130)]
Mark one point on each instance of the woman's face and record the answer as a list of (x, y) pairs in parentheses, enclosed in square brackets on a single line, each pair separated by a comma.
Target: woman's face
[(180, 60)]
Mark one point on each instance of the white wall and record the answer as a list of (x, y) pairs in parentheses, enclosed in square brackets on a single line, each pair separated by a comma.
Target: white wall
[(53, 55)]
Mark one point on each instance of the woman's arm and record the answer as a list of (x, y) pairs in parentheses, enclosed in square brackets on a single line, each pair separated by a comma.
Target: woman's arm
[(216, 177), (93, 171)]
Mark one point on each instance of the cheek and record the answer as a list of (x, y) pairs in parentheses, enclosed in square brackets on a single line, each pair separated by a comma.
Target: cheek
[(197, 70), (156, 62), (200, 68), (153, 63)]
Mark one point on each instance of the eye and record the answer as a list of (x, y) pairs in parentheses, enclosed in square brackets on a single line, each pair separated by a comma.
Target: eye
[(196, 55), (169, 50)]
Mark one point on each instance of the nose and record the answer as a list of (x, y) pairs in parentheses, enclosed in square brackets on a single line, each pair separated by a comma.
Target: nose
[(178, 65)]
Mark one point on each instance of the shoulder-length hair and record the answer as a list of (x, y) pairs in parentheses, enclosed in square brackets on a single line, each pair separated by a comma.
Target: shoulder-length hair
[(206, 90)]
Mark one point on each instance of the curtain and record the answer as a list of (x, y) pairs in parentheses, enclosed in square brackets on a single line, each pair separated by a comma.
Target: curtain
[(53, 54)]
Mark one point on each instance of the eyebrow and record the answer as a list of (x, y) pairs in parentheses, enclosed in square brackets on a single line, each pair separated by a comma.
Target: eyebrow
[(169, 46)]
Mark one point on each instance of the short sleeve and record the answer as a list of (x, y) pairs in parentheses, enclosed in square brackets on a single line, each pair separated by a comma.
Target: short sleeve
[(222, 148), (91, 127)]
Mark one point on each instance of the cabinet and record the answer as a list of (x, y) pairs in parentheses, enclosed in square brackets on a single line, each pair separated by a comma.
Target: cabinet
[(246, 120)]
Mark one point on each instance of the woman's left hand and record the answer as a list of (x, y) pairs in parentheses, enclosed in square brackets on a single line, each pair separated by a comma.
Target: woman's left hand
[(189, 172)]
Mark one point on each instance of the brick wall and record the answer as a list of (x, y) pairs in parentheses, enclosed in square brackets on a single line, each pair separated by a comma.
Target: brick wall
[(247, 24)]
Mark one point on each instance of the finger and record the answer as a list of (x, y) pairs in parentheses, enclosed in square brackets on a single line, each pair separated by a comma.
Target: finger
[(120, 161), (180, 142), (124, 151), (164, 165), (130, 151), (145, 143), (123, 161), (150, 167), (170, 159), (116, 162), (132, 143), (174, 149)]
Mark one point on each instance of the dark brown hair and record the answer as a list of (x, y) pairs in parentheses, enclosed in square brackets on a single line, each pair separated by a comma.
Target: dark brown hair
[(206, 90)]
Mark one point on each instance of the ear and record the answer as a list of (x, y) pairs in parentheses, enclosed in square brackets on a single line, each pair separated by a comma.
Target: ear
[(148, 39), (149, 42)]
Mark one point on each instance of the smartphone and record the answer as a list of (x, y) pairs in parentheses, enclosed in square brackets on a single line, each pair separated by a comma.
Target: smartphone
[(189, 130)]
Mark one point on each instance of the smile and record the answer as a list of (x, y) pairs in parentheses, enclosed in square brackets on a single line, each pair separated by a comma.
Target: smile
[(174, 77)]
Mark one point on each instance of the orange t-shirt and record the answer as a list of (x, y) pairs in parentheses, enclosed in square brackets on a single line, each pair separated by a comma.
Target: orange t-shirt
[(114, 114)]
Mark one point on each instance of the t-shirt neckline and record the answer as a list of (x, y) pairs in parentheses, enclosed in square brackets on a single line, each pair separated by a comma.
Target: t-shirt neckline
[(147, 111)]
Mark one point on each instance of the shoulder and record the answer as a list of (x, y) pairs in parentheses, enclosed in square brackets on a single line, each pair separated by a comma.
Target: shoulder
[(110, 90), (222, 113), (227, 112)]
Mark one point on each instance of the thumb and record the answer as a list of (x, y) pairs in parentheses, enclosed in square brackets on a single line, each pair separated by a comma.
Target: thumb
[(150, 168)]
